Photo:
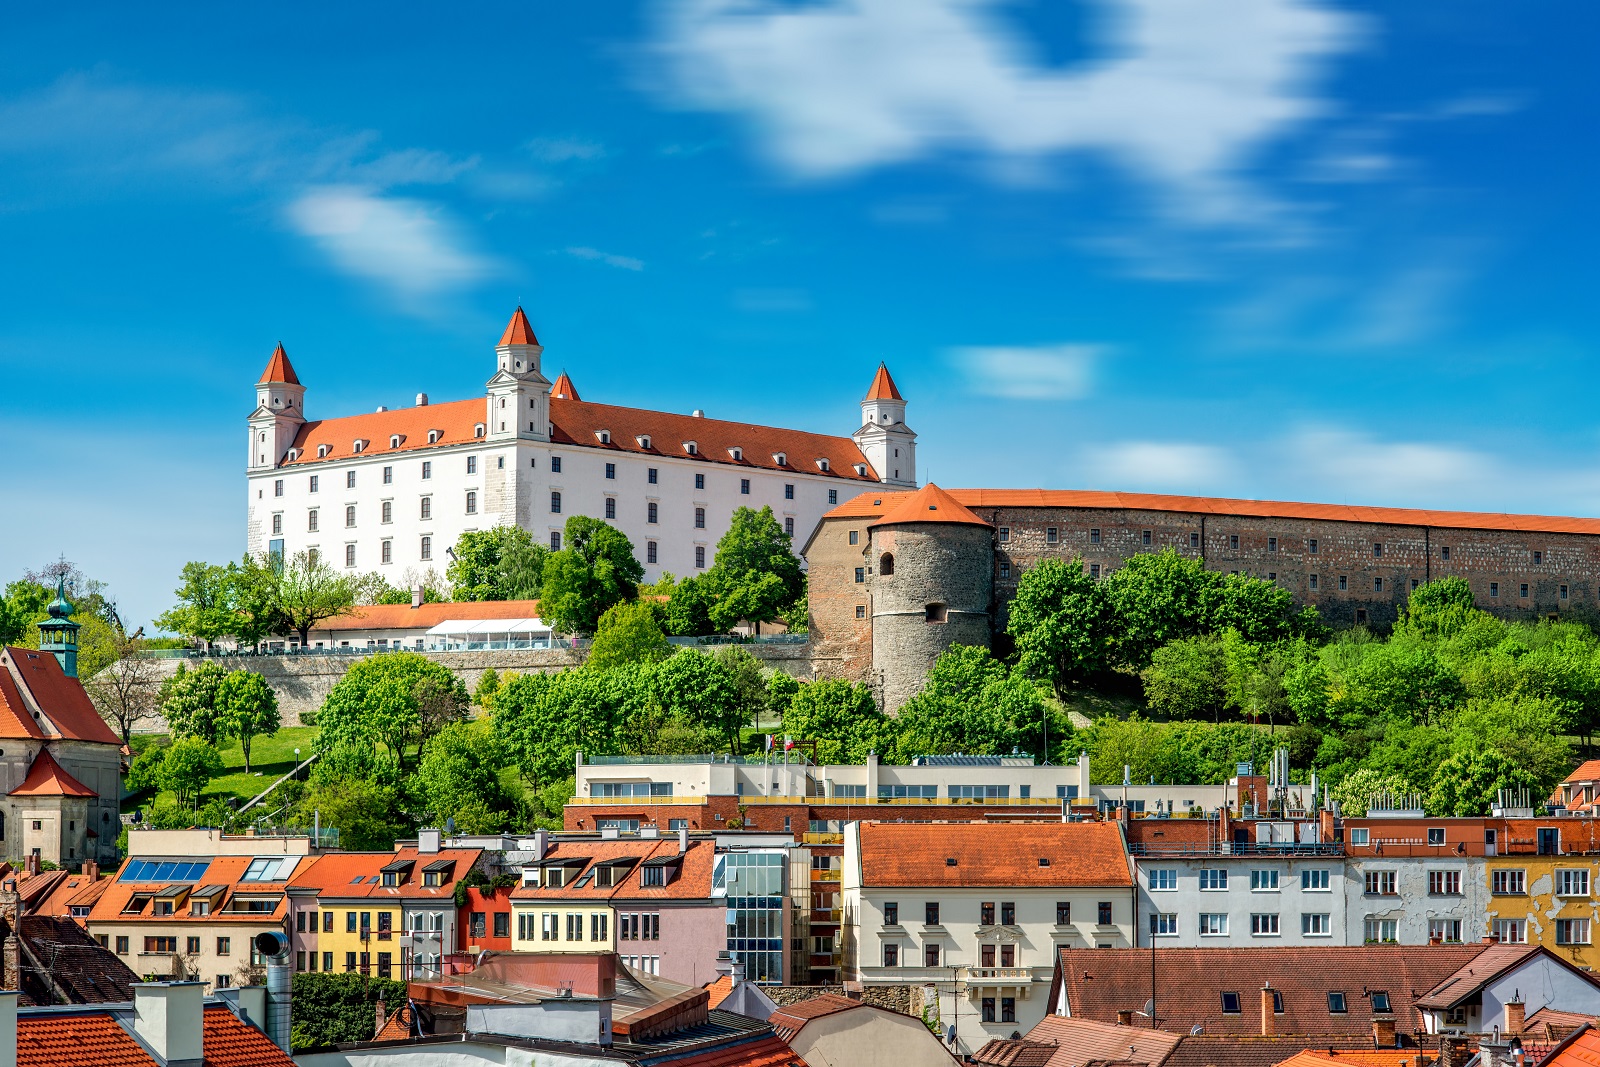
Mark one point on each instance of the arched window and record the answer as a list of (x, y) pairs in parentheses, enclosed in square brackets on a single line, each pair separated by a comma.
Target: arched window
[(886, 564)]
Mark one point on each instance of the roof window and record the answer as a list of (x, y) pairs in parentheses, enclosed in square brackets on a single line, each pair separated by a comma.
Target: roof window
[(949, 861), (691, 448), (861, 470), (395, 439), (780, 458), (737, 453), (822, 464), (477, 429), (603, 436), (323, 450), (294, 454), (359, 445), (1230, 1003), (433, 437), (644, 440), (1044, 861)]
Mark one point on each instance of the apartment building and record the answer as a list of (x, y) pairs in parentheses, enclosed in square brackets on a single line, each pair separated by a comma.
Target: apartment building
[(979, 912), (1414, 880)]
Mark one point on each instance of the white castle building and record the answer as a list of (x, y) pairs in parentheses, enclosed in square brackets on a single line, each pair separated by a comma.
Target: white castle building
[(392, 490)]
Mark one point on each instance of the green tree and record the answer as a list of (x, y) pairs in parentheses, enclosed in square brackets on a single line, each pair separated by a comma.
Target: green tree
[(688, 611), (1188, 678), (188, 700), (397, 701), (305, 590), (189, 764), (1468, 784), (702, 689), (366, 813), (781, 691), (1063, 624), (1158, 597), (595, 570), (754, 574), (748, 684), (543, 719), (627, 633), (246, 708), (843, 717), (126, 692), (459, 778), (489, 683), (972, 704), (144, 774), (1357, 793), (332, 1008), (1440, 608), (500, 563), (206, 609)]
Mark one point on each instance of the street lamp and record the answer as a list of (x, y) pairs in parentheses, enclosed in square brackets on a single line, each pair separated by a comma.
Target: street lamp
[(296, 772)]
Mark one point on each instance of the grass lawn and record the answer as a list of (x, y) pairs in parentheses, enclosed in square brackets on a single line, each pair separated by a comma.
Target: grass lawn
[(270, 758)]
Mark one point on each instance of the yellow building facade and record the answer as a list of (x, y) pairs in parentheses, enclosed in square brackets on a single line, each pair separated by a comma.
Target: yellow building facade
[(562, 926), (1546, 900)]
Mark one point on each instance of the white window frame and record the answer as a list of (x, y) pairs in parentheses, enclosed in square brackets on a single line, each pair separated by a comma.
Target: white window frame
[(1163, 880), (1264, 880), (1213, 924)]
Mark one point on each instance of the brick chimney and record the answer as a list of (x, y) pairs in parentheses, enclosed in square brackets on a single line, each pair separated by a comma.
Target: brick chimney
[(1383, 1031), (1269, 1013), (1125, 1017), (91, 870), (1516, 1015)]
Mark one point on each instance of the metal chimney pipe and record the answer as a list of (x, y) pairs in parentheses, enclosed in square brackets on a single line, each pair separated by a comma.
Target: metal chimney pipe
[(275, 947)]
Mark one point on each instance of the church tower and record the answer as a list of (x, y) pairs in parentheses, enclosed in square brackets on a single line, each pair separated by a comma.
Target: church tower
[(58, 634), (884, 438), (519, 395), (279, 414)]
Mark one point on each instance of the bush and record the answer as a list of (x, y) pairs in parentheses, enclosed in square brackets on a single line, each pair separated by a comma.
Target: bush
[(327, 1009)]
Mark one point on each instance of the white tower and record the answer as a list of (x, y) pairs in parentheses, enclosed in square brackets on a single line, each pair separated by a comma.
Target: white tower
[(519, 395), (279, 414), (884, 438)]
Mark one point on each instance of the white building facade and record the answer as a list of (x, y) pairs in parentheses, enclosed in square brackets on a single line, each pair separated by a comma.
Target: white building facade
[(390, 491)]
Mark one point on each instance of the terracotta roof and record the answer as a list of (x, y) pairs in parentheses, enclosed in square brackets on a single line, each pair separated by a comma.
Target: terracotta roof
[(86, 897), (1079, 1040), (15, 719), (397, 1027), (231, 1042), (874, 504), (1190, 983), (47, 778), (787, 1021), (334, 875), (763, 1051), (918, 854), (1580, 1049), (1061, 1041), (929, 504), (1587, 771), (999, 1052), (1478, 972), (406, 617), (1352, 1058), (66, 706), (518, 331), (1253, 1050), (563, 389), (220, 871), (279, 368), (62, 1040), (1556, 1024), (576, 422), (718, 990), (690, 881), (883, 386)]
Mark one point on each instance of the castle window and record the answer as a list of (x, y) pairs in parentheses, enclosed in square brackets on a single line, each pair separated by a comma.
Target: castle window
[(1005, 570), (611, 471), (788, 525), (1311, 546), (935, 613), (699, 518), (1522, 590), (1051, 536), (277, 522), (1313, 583), (311, 521), (388, 476), (861, 575), (604, 436), (861, 470), (822, 464), (1538, 558), (649, 551), (427, 469), (349, 515), (1233, 542), (555, 540), (1494, 589), (700, 557), (427, 507), (1194, 540), (651, 476), (1094, 571), (500, 463), (643, 440), (1562, 592), (699, 481), (611, 507), (650, 512), (744, 486), (886, 564), (472, 464), (1377, 549), (555, 503), (1344, 583), (1005, 535), (780, 459), (323, 450), (555, 464), (433, 437), (1361, 616), (1444, 553), (737, 454), (427, 548), (477, 430), (1272, 544), (855, 537), (1094, 537), (1144, 539), (394, 440), (349, 555), (358, 446), (788, 492), (387, 553), (472, 502), (861, 611), (693, 449), (833, 496), (1377, 585)]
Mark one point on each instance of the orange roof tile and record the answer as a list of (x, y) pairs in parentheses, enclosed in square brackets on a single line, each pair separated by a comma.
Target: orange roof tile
[(563, 389), (719, 990), (876, 503), (883, 386), (1579, 1049), (230, 1042), (62, 1040), (918, 854), (1587, 771), (334, 875), (279, 369), (692, 880), (406, 617), (47, 778), (15, 721), (518, 330), (787, 1021), (220, 871), (763, 1051), (62, 699), (929, 504), (397, 1027)]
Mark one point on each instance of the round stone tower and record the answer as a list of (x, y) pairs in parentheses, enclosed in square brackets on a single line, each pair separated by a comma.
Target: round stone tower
[(932, 566)]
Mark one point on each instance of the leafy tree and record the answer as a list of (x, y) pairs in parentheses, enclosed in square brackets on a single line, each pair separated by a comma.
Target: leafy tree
[(1359, 791), (207, 603), (1468, 784), (547, 807), (125, 692), (22, 604), (458, 778), (397, 701), (797, 616), (627, 633), (1158, 597), (688, 611), (489, 683), (366, 813), (189, 700), (843, 717), (501, 563), (246, 708), (330, 1008), (972, 704), (304, 591), (543, 719), (750, 688), (1440, 608), (781, 691), (702, 689), (596, 570), (258, 606), (1063, 623), (144, 774), (1188, 678), (754, 574), (189, 763)]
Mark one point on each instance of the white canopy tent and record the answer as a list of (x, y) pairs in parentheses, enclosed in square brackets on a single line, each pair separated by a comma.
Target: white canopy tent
[(473, 634)]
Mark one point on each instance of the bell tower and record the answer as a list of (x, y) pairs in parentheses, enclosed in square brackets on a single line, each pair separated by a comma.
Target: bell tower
[(519, 394), (58, 634), (884, 438), (279, 414)]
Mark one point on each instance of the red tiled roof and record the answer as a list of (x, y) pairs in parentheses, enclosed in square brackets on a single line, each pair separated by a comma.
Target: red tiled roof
[(692, 881), (787, 1021), (917, 854), (518, 331), (764, 1051), (999, 1052), (1081, 1040), (62, 699), (47, 778), (220, 871), (62, 962), (1190, 983), (333, 875), (874, 504), (883, 386), (563, 389), (230, 1042), (1493, 961), (576, 422), (397, 1027), (718, 990), (1061, 1041), (279, 369), (406, 617), (15, 721), (1587, 771), (62, 1040), (928, 504)]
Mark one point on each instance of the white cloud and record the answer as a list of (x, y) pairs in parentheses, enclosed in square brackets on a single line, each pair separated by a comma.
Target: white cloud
[(564, 149), (1042, 372), (1180, 92), (610, 260), (407, 246), (1157, 466), (1359, 465)]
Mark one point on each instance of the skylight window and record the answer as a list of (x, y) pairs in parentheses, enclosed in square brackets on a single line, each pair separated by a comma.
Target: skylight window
[(262, 870)]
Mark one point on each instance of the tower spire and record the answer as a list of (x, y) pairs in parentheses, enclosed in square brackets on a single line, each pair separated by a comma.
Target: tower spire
[(58, 634)]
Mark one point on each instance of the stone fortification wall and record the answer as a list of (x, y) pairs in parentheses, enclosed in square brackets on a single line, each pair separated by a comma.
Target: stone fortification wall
[(931, 588), (905, 999)]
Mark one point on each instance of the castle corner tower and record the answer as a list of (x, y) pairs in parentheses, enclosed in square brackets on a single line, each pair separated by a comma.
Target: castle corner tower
[(884, 438), (519, 394), (279, 413)]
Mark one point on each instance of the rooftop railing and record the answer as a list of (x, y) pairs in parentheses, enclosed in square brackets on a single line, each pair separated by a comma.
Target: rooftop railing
[(1178, 849)]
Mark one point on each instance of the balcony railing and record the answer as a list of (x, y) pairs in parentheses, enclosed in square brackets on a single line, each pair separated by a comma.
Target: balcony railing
[(999, 974), (821, 839), (825, 876), (1228, 848)]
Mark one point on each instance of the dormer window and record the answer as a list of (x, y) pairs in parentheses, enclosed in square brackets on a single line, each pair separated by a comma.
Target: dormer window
[(861, 470), (644, 440), (822, 464), (359, 445), (294, 454), (395, 439), (737, 454), (323, 450), (433, 437), (691, 448), (603, 436), (477, 430), (781, 459)]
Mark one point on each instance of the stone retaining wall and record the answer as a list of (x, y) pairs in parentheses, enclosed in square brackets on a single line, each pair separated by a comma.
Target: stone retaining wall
[(905, 999)]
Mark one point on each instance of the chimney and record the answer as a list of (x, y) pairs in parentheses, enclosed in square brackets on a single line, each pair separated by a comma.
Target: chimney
[(169, 1017), (1125, 1017), (91, 870), (11, 963), (422, 400), (541, 843), (427, 842), (383, 1017), (1269, 1011), (1516, 1014), (1383, 1031), (683, 840), (416, 596), (699, 413), (33, 862), (8, 1028)]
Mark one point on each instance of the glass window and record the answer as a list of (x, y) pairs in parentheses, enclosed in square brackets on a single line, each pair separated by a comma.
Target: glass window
[(1508, 882), (1315, 881), (555, 503), (1213, 924), (1213, 878), (1164, 878), (1264, 881), (1264, 924)]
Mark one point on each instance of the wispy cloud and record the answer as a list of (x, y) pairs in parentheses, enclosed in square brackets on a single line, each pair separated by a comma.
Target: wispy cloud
[(564, 149), (609, 259), (1042, 372), (1159, 466), (1176, 94), (404, 245)]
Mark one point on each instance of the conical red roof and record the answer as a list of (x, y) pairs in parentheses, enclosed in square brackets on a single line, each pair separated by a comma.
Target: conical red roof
[(518, 331), (47, 778), (883, 386), (929, 504), (564, 389), (279, 369)]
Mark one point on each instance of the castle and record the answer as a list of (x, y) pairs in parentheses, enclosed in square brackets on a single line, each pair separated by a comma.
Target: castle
[(896, 577), (391, 491)]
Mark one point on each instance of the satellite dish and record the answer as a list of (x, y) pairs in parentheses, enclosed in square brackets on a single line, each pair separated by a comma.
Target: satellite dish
[(950, 1034), (1150, 1009)]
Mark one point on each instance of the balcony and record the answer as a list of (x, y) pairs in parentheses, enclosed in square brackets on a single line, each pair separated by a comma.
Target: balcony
[(821, 839), (825, 876), (998, 975), (825, 915)]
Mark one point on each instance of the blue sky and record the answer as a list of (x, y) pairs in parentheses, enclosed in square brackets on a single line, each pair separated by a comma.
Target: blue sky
[(1273, 248)]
